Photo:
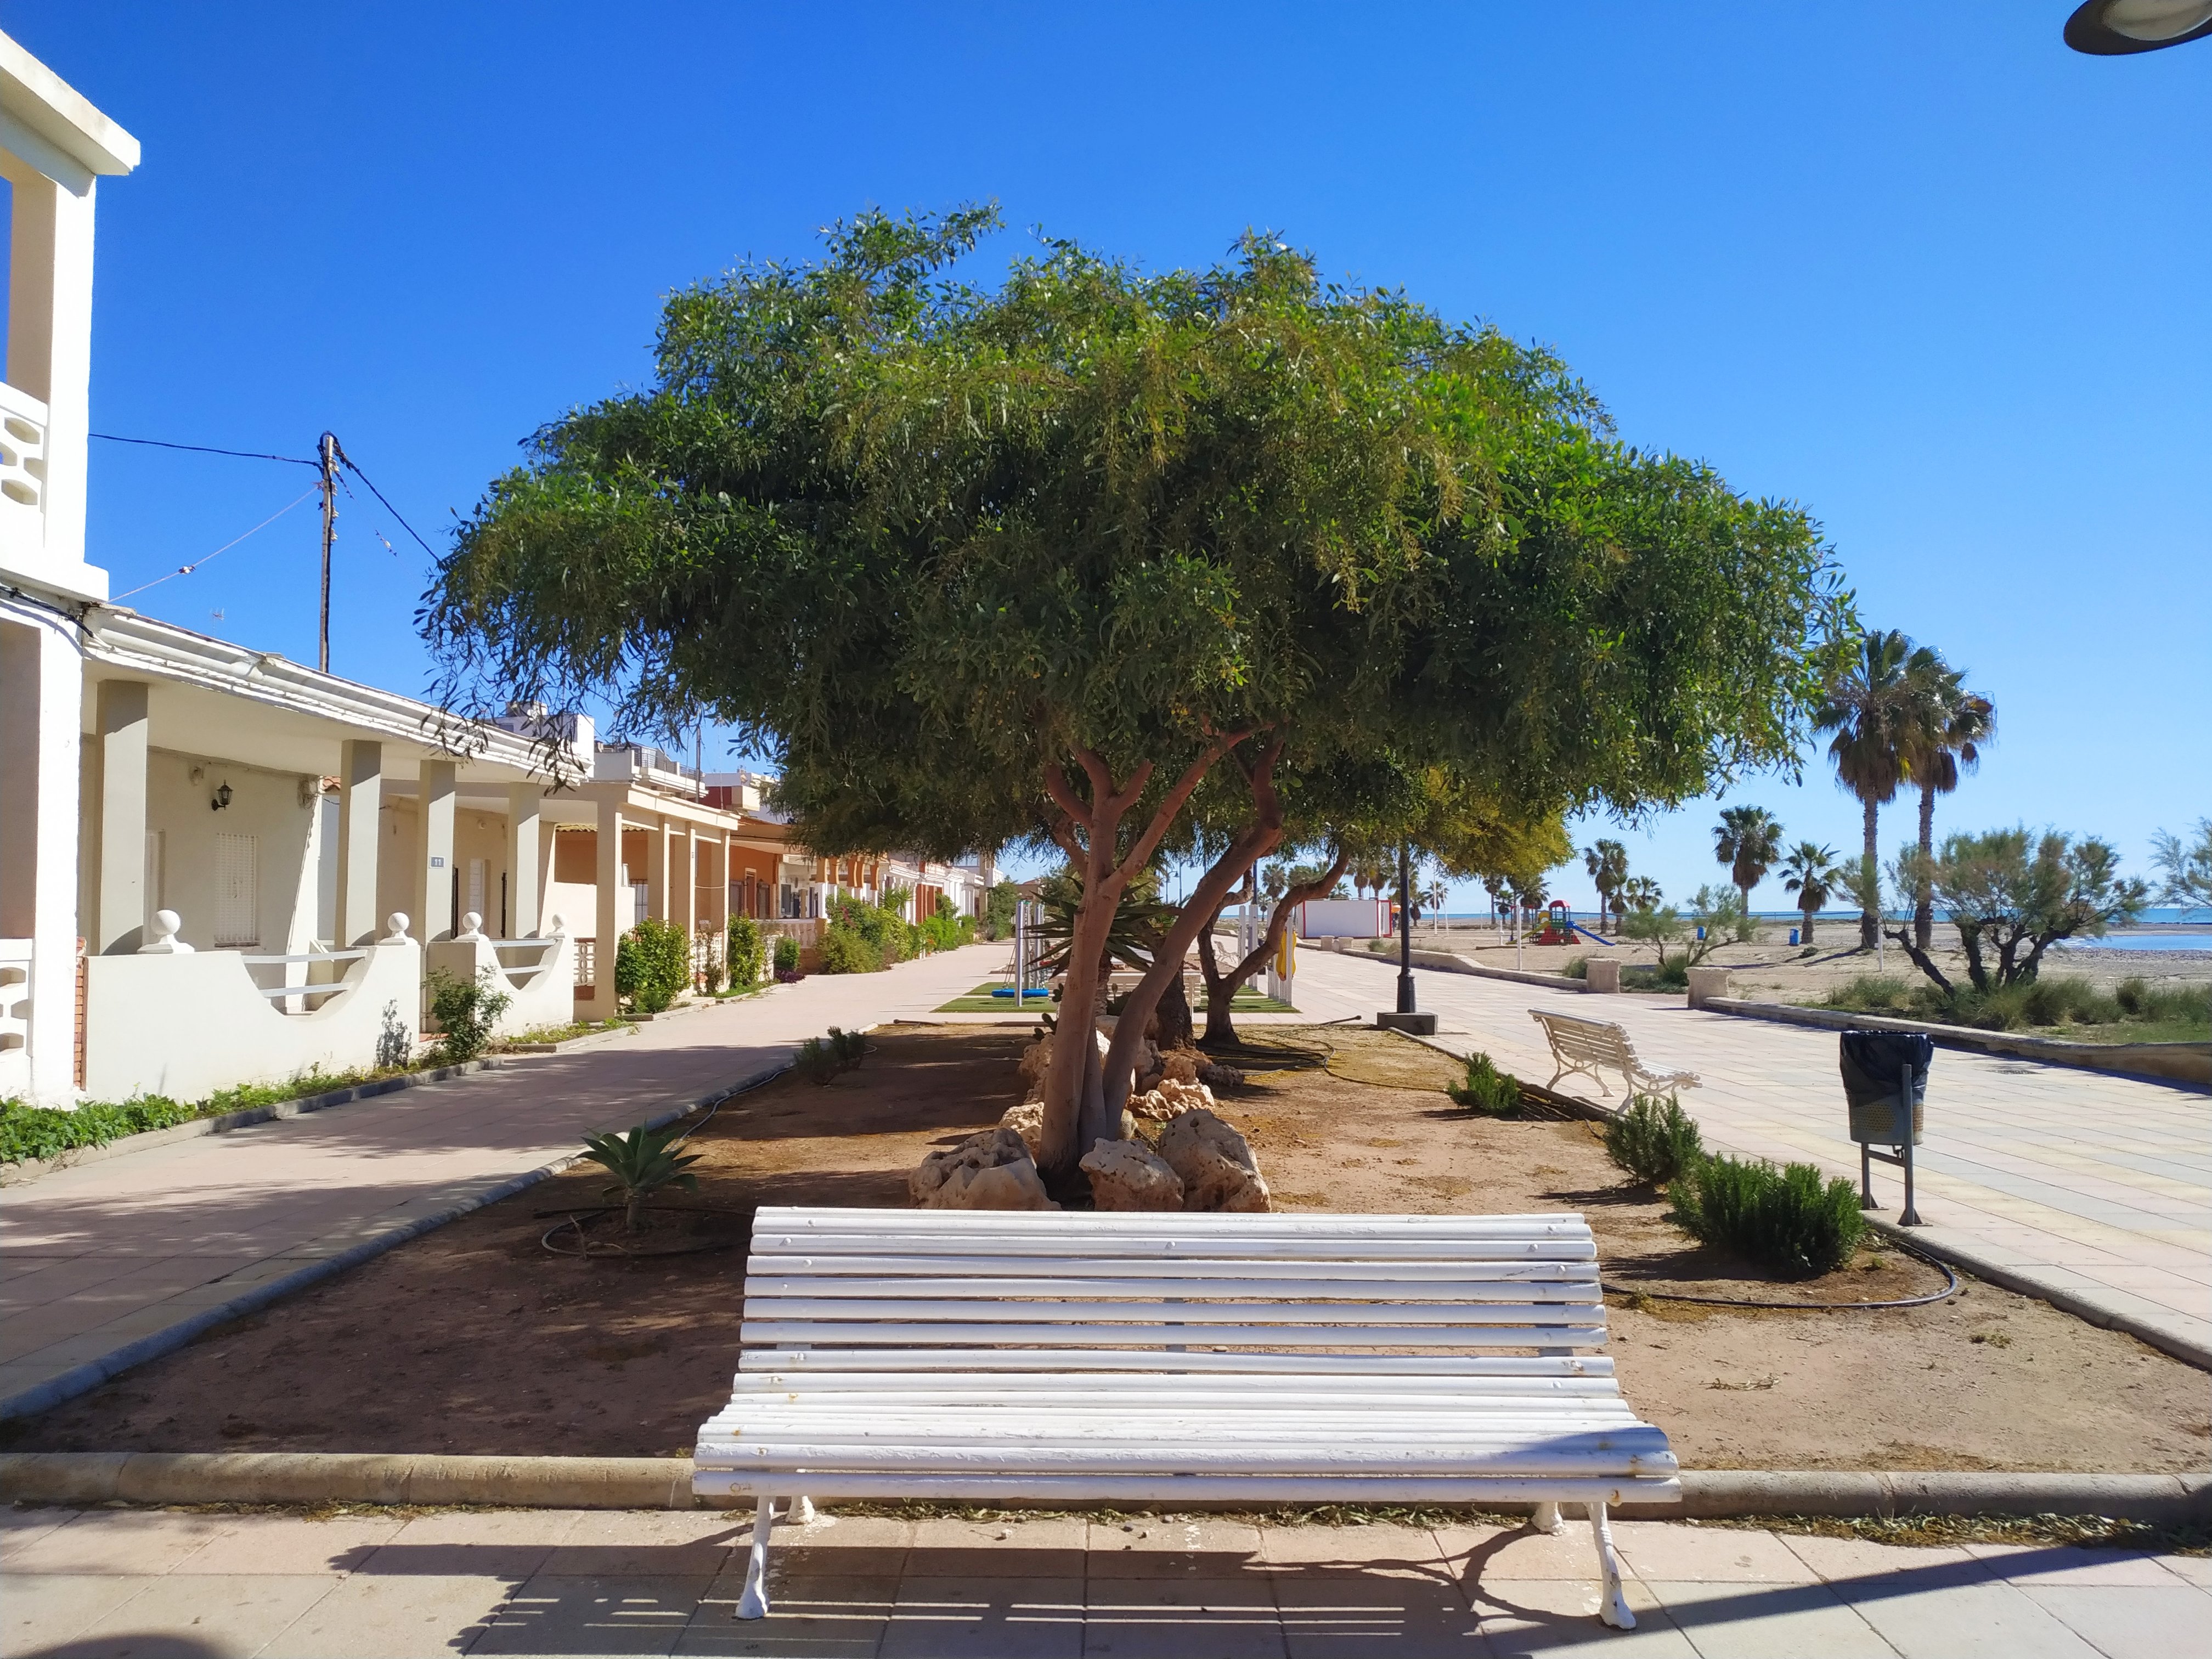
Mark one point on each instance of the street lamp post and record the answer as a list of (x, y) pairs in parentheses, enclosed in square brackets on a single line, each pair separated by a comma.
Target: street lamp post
[(1407, 1018)]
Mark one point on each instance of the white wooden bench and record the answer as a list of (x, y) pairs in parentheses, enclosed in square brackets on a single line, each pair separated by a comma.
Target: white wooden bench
[(1583, 1046), (1127, 1358)]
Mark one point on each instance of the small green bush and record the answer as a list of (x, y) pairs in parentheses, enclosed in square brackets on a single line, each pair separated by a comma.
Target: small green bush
[(817, 1062), (1487, 1090), (653, 965), (1874, 994), (744, 953), (787, 957), (848, 1046), (466, 1010), (1654, 1141), (1576, 967), (1793, 1220), (2141, 1000), (844, 951), (42, 1131), (642, 1161)]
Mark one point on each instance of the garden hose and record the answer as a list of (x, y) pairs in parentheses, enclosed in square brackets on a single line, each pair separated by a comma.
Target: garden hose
[(1950, 1289)]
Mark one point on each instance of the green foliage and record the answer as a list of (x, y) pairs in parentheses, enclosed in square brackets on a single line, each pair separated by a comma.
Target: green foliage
[(41, 1132), (1874, 994), (999, 910), (1487, 1090), (822, 1058), (1607, 863), (466, 1011), (1654, 1141), (653, 965), (1792, 1220), (742, 952), (2184, 868), (1812, 874), (1717, 912), (942, 933), (2052, 1004), (847, 951), (787, 954), (1748, 840), (1576, 967), (2013, 895), (642, 1161)]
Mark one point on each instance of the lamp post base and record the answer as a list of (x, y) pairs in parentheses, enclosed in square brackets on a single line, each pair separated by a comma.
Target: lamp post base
[(1411, 1024)]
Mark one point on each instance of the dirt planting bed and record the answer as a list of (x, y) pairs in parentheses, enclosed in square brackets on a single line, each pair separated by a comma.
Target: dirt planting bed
[(475, 1339)]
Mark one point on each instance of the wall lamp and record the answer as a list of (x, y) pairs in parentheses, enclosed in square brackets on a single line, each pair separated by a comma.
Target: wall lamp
[(222, 798)]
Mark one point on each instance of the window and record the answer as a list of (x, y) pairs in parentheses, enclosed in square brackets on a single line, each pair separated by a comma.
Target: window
[(237, 891)]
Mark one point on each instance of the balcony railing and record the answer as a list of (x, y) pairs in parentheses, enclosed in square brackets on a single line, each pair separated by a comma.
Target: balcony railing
[(22, 470)]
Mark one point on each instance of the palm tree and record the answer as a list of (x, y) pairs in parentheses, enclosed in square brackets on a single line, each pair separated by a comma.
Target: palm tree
[(1946, 735), (1813, 876), (1608, 864), (1869, 708), (1641, 893), (1747, 839)]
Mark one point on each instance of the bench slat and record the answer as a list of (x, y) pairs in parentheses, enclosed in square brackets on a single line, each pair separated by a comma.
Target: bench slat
[(1158, 1270), (890, 1334), (1585, 1455), (1135, 1249), (1258, 1490), (1045, 1364), (1326, 1293)]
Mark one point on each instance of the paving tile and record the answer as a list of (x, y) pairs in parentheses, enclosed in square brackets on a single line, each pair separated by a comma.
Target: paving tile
[(839, 1617), (1746, 1619), (1047, 1548), (20, 1527), (1962, 1620), (1395, 1615), (1153, 1548), (130, 1542), (1353, 1552), (2123, 1620), (369, 1617), (1480, 1555), (650, 1543), (1721, 1555), (632, 1614), (834, 1546), (208, 1615), (984, 1617), (290, 1544), (2039, 1564), (509, 1544), (1837, 1560), (1559, 1616), (2192, 1569), (43, 1610), (1182, 1618)]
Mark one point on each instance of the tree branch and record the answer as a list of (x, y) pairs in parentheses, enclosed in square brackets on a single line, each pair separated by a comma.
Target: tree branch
[(1923, 962)]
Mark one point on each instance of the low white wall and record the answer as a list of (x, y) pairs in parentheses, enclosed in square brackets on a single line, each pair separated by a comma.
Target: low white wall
[(186, 1025), (541, 983), (1353, 918)]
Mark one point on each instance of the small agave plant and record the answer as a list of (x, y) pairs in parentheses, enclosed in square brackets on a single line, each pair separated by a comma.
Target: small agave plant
[(642, 1161)]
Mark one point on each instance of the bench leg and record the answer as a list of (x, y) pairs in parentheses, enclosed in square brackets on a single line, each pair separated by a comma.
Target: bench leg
[(1546, 1519), (753, 1604), (802, 1511), (1613, 1604)]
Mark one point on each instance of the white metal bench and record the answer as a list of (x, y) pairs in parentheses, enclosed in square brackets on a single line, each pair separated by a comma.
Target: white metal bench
[(1119, 1356), (1583, 1046)]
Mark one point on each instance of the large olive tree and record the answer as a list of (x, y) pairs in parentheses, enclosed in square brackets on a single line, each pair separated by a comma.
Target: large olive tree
[(1049, 559)]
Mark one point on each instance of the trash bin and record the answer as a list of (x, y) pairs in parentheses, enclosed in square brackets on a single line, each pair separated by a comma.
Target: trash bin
[(1885, 1086), (1793, 936)]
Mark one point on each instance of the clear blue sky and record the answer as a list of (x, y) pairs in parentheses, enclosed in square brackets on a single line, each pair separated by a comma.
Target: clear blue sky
[(1918, 267)]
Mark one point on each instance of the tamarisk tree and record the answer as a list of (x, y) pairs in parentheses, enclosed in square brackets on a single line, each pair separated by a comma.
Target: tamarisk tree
[(1072, 558)]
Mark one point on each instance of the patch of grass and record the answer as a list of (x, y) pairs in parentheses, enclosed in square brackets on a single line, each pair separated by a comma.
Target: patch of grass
[(981, 1001), (2134, 1011), (575, 1027)]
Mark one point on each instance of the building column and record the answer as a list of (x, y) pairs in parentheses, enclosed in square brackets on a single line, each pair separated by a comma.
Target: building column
[(524, 801), (360, 806), (682, 878), (42, 689), (656, 869), (607, 930), (119, 880), (433, 872), (50, 349)]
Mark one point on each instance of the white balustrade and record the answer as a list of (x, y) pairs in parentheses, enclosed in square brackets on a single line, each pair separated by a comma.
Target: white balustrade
[(14, 1012), (22, 470)]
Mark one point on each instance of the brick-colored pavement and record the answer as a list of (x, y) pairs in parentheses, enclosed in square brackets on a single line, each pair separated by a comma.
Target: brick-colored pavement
[(187, 1586), (2088, 1184), (98, 1260)]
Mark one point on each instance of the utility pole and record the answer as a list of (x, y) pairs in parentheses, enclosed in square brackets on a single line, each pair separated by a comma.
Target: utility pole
[(327, 452)]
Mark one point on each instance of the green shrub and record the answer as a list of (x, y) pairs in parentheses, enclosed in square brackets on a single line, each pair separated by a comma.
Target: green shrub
[(848, 1046), (1487, 1090), (41, 1132), (787, 957), (1873, 994), (1576, 967), (744, 953), (845, 950), (942, 933), (653, 965), (2180, 1004), (642, 1162), (886, 934), (1654, 1141), (817, 1062), (1793, 1220), (466, 1010)]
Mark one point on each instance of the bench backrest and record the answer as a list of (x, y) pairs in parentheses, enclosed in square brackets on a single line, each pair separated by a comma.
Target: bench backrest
[(1587, 1039), (876, 1290)]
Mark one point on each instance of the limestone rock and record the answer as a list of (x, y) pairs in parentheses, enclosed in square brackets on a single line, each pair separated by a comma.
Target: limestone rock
[(1217, 1169), (992, 1170), (1220, 1077), (1182, 1065), (1027, 1120), (1127, 1174)]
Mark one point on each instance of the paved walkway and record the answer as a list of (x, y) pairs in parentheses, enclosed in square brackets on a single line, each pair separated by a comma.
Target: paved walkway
[(105, 1264), (2095, 1186), (159, 1584)]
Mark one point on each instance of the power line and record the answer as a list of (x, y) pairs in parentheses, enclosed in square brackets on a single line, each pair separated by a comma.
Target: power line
[(354, 467), (187, 569), (204, 449)]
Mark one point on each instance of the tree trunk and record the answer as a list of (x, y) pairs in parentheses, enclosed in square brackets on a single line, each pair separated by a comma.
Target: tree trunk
[(1219, 995), (1807, 936), (1870, 874), (1924, 903), (1173, 1022)]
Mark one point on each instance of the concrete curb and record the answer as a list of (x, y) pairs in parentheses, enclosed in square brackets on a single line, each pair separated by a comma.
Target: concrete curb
[(81, 1379), (85, 1478), (1445, 961), (2179, 1064), (30, 1169)]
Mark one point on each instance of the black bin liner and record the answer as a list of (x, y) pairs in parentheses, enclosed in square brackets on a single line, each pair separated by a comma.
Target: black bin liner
[(1876, 1064)]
